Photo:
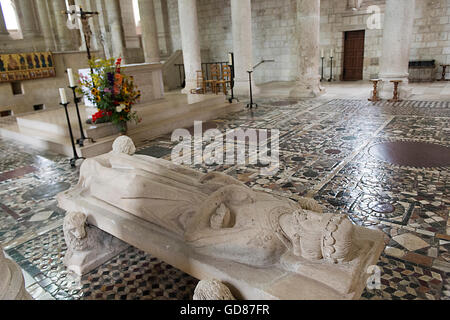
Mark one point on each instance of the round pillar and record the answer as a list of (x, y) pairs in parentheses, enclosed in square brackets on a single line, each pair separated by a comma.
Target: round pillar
[(27, 18), (116, 29), (149, 31), (307, 83), (46, 27), (397, 36), (241, 19), (63, 33), (190, 42)]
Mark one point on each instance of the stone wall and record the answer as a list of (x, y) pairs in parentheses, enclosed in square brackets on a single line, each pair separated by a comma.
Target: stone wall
[(432, 32), (274, 27)]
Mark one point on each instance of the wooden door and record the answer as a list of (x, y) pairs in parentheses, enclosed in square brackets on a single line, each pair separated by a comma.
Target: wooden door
[(353, 55)]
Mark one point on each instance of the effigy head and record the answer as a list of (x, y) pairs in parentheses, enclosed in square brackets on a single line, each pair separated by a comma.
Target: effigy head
[(316, 236), (212, 290), (124, 144)]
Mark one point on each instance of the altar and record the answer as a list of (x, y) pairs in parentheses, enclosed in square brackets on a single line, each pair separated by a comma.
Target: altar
[(147, 76)]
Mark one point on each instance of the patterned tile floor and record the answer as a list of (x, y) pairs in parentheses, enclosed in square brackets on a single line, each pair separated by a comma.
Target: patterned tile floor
[(323, 154)]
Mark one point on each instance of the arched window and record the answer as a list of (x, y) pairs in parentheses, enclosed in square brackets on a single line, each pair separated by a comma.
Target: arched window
[(10, 15), (137, 16)]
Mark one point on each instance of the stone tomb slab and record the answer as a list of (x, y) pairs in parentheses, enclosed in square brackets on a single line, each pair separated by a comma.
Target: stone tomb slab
[(245, 282)]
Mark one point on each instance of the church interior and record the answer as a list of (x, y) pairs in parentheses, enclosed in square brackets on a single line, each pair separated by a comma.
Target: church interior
[(224, 149)]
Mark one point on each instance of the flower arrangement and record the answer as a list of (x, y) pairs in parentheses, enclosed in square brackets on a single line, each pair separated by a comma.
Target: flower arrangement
[(113, 92)]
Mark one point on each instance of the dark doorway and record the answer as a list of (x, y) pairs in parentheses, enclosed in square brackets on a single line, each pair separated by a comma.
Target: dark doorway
[(353, 55)]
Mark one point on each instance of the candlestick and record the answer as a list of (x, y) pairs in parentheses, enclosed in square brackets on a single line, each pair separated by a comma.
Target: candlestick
[(251, 104), (73, 161), (62, 94), (321, 77), (80, 141), (331, 70), (71, 80)]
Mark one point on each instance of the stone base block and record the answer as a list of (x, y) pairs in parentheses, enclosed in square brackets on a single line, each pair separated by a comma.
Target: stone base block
[(87, 246)]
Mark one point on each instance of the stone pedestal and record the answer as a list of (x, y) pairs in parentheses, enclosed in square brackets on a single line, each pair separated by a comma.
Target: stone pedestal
[(87, 246), (149, 32), (397, 35), (308, 79), (12, 283), (241, 17), (190, 41)]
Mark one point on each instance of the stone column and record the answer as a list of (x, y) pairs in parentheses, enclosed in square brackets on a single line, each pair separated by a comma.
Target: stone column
[(397, 36), (163, 27), (12, 283), (4, 34), (149, 32), (116, 29), (129, 24), (102, 27), (27, 18), (241, 19), (63, 33), (190, 42), (307, 83), (44, 21)]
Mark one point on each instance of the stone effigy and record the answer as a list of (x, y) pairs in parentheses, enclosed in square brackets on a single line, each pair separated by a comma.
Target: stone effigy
[(12, 283), (213, 226)]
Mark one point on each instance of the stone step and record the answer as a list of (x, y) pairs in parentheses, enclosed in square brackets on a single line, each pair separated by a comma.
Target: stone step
[(201, 108)]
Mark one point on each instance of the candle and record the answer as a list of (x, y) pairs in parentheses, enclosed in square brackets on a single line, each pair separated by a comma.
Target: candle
[(62, 93), (322, 54), (71, 80), (230, 59), (331, 53)]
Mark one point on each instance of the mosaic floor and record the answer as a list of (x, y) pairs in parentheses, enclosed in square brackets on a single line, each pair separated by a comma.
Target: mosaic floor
[(324, 153)]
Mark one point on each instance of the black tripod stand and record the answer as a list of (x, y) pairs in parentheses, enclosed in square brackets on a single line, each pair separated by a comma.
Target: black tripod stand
[(251, 104), (73, 161)]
